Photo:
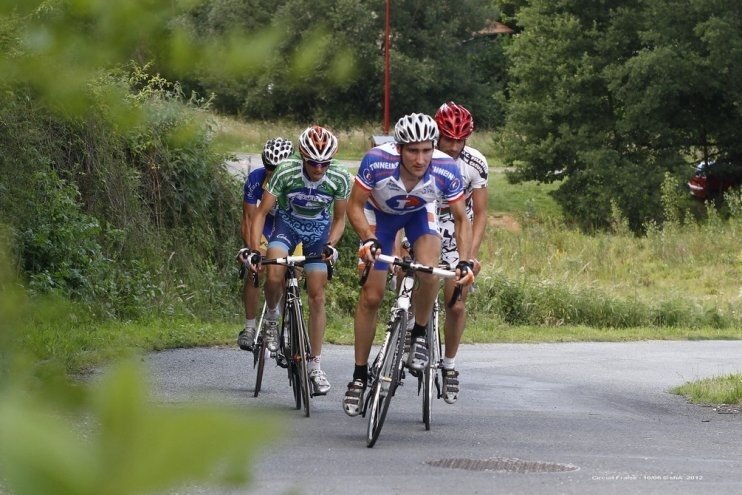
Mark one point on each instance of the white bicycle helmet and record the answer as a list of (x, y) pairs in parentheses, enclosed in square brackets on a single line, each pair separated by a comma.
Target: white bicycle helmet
[(415, 128), (275, 151), (317, 144)]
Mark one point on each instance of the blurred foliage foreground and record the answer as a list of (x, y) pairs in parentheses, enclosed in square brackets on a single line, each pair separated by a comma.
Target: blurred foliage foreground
[(105, 436)]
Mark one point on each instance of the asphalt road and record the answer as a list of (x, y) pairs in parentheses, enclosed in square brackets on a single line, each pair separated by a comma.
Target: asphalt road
[(531, 418)]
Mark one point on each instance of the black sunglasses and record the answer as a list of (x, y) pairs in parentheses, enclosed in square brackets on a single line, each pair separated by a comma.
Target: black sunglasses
[(316, 164)]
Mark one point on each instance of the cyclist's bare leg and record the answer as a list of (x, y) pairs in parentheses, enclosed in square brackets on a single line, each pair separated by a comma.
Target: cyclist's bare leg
[(251, 298), (453, 328), (252, 294), (364, 325), (316, 282), (274, 280), (427, 250)]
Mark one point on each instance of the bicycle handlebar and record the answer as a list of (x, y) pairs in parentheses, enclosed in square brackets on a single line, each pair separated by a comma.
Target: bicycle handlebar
[(256, 259), (408, 264), (418, 267), (289, 260)]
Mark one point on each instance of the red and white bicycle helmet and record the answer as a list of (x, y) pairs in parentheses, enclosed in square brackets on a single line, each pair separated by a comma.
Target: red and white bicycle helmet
[(454, 121), (317, 144), (275, 151), (415, 128)]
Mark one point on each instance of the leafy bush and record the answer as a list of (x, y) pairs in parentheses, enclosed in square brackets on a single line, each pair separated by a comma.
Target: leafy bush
[(110, 216)]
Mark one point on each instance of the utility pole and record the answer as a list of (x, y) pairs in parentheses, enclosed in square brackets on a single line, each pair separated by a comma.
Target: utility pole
[(387, 65)]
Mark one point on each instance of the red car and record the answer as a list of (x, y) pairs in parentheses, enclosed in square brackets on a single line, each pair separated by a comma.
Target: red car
[(712, 179)]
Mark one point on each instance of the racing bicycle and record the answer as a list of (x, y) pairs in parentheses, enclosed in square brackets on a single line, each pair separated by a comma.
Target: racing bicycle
[(386, 372), (293, 337)]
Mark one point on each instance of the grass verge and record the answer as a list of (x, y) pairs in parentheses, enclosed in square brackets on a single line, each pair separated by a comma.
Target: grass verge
[(715, 390), (77, 343)]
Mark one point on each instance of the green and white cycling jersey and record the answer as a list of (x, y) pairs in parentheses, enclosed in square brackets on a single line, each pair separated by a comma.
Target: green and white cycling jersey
[(304, 198)]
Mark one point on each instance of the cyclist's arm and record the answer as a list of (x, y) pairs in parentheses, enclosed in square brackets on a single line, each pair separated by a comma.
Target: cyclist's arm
[(358, 197), (462, 228), (248, 213), (338, 221), (258, 222), (479, 206)]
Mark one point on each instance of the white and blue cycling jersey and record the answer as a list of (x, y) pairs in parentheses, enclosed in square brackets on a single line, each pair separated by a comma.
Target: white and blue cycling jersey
[(253, 194), (391, 207), (379, 173)]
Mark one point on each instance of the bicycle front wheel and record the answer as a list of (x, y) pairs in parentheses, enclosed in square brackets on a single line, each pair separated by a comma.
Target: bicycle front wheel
[(386, 380), (290, 354), (298, 357), (301, 357), (430, 374), (260, 356)]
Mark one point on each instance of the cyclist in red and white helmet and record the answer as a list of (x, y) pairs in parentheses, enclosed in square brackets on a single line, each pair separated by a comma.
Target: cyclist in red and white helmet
[(456, 125), (274, 152), (397, 187), (318, 144), (311, 192)]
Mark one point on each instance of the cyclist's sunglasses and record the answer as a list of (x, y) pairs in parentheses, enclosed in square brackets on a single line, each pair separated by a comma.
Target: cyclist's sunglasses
[(316, 164)]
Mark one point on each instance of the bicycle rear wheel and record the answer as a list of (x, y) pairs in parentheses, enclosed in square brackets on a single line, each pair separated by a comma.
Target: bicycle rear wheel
[(386, 379)]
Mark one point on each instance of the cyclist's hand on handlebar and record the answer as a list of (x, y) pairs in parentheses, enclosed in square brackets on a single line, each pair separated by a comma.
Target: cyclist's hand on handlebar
[(242, 255), (465, 272), (253, 260), (369, 250), (330, 253)]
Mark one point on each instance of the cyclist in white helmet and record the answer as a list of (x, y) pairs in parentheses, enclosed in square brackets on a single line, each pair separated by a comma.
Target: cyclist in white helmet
[(455, 124), (312, 195), (397, 187), (274, 152)]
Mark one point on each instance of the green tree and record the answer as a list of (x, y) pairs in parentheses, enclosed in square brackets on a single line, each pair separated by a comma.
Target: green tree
[(437, 56), (337, 75), (607, 96), (309, 70)]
